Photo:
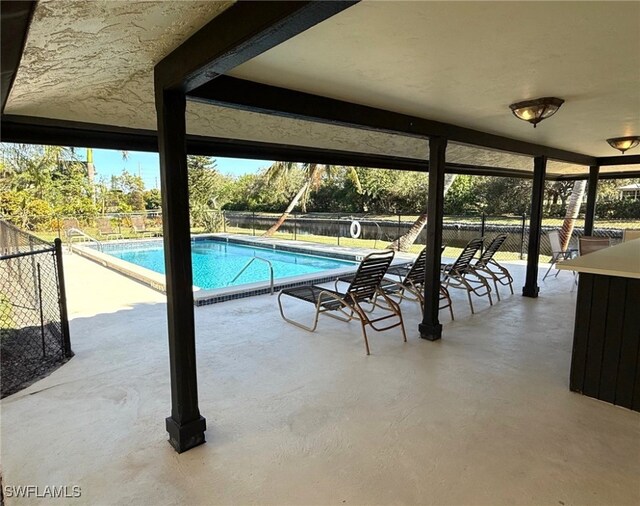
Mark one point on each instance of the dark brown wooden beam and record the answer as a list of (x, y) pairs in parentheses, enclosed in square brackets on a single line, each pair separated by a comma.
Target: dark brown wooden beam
[(592, 194), (626, 174), (241, 32), (483, 170), (30, 130), (431, 328), (247, 95), (185, 425), (619, 160), (55, 132), (530, 288), (15, 18)]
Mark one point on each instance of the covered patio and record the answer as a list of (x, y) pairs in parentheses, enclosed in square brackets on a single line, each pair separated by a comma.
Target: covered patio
[(483, 415)]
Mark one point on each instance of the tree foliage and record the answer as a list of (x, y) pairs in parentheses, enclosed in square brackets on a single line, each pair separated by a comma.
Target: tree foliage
[(208, 190), (38, 183)]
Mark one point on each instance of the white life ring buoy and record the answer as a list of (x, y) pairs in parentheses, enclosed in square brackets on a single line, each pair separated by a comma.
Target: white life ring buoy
[(355, 230)]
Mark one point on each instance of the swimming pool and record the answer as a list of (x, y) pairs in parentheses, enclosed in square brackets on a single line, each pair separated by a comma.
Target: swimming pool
[(216, 263)]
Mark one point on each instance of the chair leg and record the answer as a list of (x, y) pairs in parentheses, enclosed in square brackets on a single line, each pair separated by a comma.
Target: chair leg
[(495, 283), (444, 293), (470, 302), (298, 324), (398, 312), (364, 334), (553, 262)]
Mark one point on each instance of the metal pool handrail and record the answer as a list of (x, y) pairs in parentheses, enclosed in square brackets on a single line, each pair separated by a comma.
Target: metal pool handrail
[(247, 266), (77, 232)]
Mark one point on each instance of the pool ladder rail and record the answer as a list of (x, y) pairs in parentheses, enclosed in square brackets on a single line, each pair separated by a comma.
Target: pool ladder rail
[(247, 266), (76, 232)]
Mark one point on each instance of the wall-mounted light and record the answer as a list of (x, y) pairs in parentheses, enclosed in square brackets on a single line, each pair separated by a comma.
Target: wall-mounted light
[(624, 143), (534, 111)]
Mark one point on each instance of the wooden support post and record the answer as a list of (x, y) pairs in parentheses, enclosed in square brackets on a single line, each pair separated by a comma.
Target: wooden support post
[(430, 328), (185, 425), (530, 288), (592, 194)]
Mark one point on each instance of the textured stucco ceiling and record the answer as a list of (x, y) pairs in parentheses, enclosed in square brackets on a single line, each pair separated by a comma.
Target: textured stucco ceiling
[(93, 62), (465, 62)]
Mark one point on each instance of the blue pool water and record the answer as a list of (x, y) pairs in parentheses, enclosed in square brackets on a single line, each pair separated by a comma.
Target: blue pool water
[(216, 263)]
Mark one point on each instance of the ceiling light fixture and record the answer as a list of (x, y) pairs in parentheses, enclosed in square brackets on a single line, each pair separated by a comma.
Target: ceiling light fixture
[(534, 111), (624, 143)]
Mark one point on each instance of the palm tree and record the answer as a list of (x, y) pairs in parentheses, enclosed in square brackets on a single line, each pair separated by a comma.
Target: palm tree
[(313, 176), (91, 170), (281, 171), (571, 214), (405, 241)]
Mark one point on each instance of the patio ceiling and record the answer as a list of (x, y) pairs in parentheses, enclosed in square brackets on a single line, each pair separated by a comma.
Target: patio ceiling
[(93, 62)]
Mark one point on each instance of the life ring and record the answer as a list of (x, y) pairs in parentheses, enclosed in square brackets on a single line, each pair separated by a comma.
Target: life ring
[(355, 230)]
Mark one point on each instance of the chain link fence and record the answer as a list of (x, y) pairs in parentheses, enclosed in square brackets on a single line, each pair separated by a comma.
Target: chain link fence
[(34, 328), (372, 231)]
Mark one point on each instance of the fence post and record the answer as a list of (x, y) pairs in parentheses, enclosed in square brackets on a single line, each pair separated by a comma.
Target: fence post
[(295, 227), (253, 222), (399, 218), (62, 294), (224, 221), (482, 229), (524, 223), (57, 218), (338, 223)]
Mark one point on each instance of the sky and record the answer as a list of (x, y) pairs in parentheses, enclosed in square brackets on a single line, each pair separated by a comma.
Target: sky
[(109, 162)]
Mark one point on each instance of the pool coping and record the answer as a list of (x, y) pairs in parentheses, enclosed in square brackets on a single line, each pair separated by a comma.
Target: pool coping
[(203, 297)]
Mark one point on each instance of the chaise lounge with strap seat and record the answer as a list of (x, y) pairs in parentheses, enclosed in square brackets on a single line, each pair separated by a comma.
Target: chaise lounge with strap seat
[(410, 283), (462, 275), (364, 289), (487, 266)]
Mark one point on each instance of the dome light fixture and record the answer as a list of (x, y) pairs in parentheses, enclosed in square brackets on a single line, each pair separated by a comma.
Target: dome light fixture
[(624, 143), (534, 111)]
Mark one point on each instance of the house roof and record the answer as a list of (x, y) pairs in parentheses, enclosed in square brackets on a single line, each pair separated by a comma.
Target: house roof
[(456, 62)]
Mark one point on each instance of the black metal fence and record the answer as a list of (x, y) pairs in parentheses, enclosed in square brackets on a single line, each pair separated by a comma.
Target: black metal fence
[(378, 231), (34, 327), (374, 231)]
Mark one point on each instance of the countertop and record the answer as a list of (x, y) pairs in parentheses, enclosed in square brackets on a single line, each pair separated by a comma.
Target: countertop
[(621, 260)]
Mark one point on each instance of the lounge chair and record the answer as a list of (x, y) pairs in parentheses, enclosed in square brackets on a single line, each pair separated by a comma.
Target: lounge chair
[(590, 244), (106, 230), (364, 289), (410, 283), (557, 253), (629, 234), (488, 267), (71, 229), (461, 275), (140, 227)]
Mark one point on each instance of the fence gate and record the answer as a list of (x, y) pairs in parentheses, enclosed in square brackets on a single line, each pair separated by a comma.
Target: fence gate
[(34, 328)]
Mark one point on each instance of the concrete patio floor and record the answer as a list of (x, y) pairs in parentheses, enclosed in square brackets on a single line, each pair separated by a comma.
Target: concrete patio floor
[(483, 416)]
